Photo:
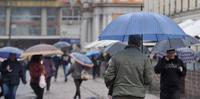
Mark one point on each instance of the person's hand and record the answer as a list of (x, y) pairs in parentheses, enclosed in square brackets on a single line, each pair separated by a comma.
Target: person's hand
[(166, 58), (8, 68), (180, 69), (24, 82), (109, 97)]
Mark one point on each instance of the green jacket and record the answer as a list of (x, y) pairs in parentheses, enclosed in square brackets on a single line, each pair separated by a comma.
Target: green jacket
[(129, 71)]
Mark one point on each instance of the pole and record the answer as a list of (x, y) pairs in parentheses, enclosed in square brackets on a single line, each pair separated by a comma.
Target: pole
[(10, 29)]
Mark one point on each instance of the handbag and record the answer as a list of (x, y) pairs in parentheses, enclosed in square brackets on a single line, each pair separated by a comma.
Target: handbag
[(42, 82), (85, 75)]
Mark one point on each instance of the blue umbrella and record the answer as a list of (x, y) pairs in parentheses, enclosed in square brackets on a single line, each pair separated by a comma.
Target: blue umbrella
[(82, 59), (153, 27), (93, 54), (62, 44), (5, 52)]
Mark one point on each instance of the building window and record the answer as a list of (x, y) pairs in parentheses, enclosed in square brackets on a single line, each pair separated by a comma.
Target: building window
[(52, 21), (2, 21), (71, 13), (26, 21)]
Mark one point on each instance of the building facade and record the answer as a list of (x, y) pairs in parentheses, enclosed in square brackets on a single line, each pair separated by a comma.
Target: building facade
[(24, 23), (96, 14), (179, 10)]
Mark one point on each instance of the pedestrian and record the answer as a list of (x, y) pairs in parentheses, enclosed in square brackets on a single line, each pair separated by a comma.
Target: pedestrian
[(49, 69), (36, 69), (77, 74), (129, 71), (172, 69), (12, 71), (57, 63), (65, 64), (95, 67)]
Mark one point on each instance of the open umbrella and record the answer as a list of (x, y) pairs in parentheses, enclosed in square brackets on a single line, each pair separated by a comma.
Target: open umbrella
[(185, 54), (62, 44), (41, 49), (165, 45), (5, 51), (151, 26), (93, 54), (82, 59), (114, 48)]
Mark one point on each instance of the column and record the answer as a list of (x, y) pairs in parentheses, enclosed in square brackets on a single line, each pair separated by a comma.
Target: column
[(192, 4), (59, 22), (161, 7), (166, 4), (83, 34), (146, 5), (104, 21), (178, 6), (8, 21), (95, 27), (172, 7), (198, 3), (44, 22), (155, 5), (185, 5)]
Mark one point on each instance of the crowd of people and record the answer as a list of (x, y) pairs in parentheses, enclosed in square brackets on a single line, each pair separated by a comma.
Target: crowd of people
[(126, 73)]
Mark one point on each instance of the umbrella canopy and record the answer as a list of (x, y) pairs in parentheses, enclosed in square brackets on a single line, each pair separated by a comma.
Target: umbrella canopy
[(185, 54), (62, 44), (165, 45), (152, 26), (93, 54), (5, 52), (114, 48), (82, 59), (41, 49), (102, 43)]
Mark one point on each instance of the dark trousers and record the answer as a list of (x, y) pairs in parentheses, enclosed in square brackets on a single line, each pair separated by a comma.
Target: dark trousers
[(48, 81), (127, 97), (171, 95), (77, 84), (37, 90), (56, 72)]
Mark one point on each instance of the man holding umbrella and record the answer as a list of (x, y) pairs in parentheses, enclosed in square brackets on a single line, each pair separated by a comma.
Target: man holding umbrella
[(172, 70), (129, 71)]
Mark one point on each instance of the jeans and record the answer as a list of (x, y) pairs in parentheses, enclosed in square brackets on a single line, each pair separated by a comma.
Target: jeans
[(171, 95), (37, 90), (9, 91)]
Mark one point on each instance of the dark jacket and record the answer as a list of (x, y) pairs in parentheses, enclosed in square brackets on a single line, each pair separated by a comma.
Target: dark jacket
[(129, 71), (13, 77), (170, 74)]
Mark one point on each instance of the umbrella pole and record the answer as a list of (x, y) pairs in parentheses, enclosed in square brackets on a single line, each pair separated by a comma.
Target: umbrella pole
[(142, 44)]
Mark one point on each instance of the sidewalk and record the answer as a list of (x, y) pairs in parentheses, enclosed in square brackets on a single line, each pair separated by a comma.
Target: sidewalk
[(91, 89)]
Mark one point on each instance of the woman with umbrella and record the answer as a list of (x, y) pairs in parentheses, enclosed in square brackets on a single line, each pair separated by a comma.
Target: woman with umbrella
[(36, 70), (80, 65), (12, 71)]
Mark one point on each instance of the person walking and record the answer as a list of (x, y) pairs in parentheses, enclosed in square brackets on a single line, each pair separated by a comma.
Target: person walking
[(57, 63), (65, 63), (172, 69), (129, 71), (76, 70), (12, 71), (36, 69), (95, 67), (50, 69)]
